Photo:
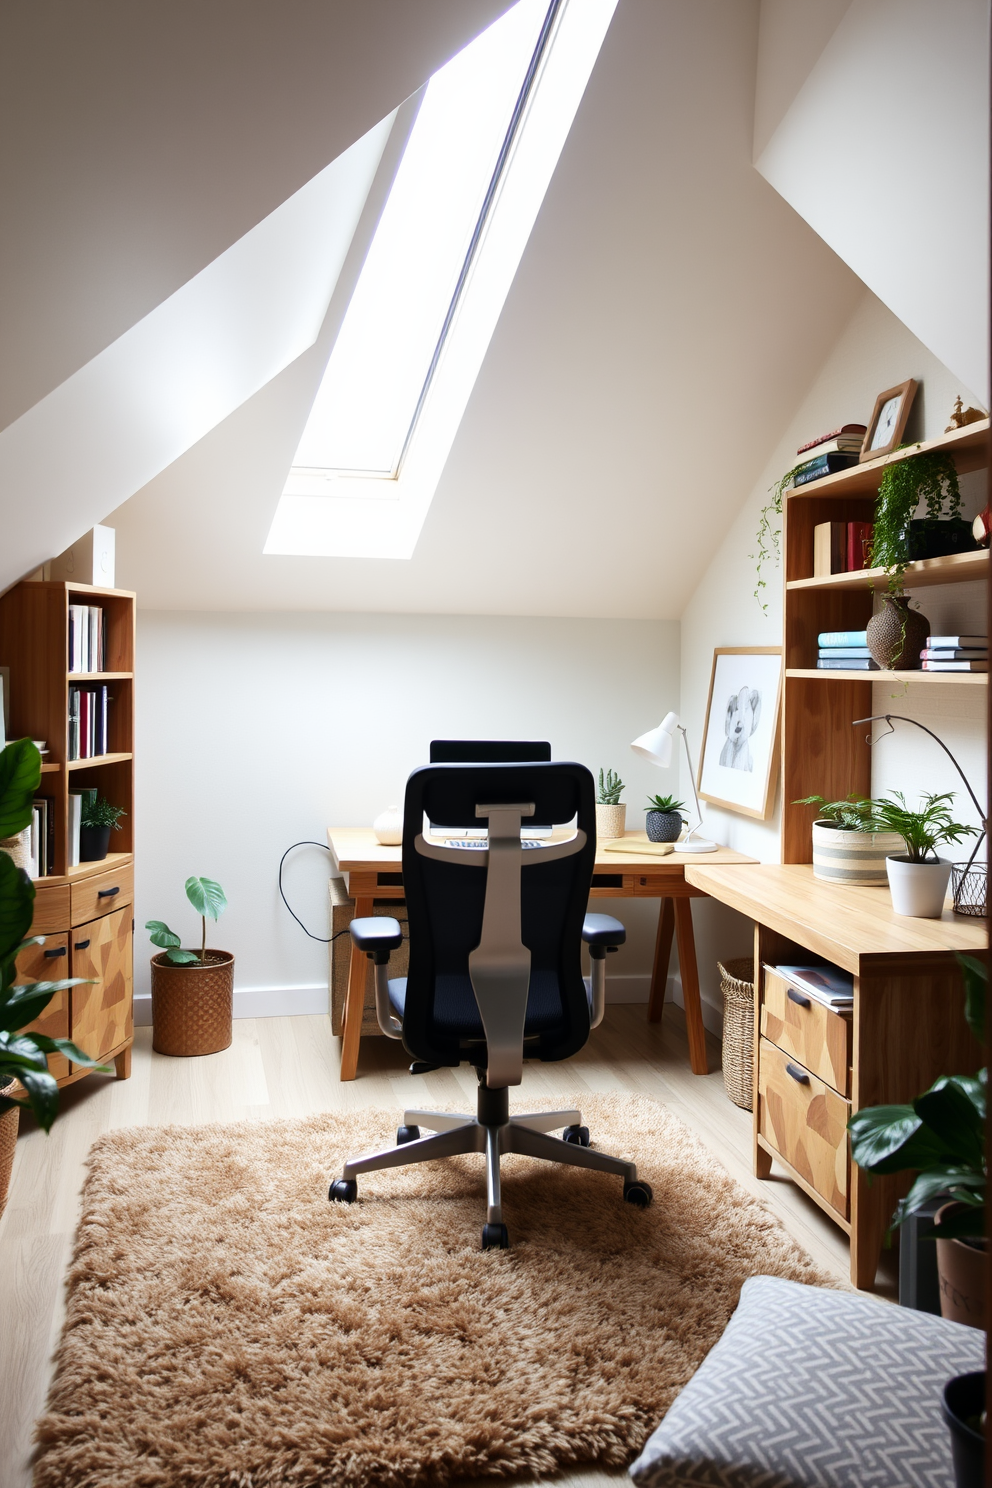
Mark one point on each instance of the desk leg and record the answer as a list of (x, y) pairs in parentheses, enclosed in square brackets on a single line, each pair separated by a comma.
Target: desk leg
[(690, 986), (662, 956), (354, 1003)]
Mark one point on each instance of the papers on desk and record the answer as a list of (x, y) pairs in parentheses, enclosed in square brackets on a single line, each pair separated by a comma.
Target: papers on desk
[(827, 984), (638, 849)]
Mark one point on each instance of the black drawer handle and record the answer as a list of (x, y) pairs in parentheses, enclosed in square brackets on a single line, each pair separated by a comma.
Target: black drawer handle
[(798, 998), (799, 1075), (80, 945), (55, 951), (108, 893)]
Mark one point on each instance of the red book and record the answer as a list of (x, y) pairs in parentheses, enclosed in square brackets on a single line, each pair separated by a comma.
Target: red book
[(858, 545), (846, 431)]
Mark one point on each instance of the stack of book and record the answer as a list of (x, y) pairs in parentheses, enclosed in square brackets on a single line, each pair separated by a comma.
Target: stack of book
[(841, 547), (845, 651), (956, 653), (42, 840), (77, 800), (87, 639), (829, 452), (826, 984), (87, 722)]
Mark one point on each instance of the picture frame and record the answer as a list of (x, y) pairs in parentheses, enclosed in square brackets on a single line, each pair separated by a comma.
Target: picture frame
[(888, 420), (739, 758)]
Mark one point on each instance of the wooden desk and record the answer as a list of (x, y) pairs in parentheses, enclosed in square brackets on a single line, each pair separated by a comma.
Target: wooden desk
[(375, 872), (907, 1027)]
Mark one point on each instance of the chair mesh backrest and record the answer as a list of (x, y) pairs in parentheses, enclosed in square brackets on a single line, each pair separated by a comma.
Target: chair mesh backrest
[(445, 900)]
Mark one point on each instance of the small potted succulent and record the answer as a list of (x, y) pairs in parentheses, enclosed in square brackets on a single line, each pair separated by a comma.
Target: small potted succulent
[(611, 813), (846, 848), (918, 877), (664, 820), (97, 822), (192, 991)]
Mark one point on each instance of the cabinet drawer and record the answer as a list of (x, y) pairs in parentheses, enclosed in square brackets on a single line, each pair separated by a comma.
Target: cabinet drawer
[(33, 965), (101, 1010), (811, 1033), (101, 894), (806, 1122), (51, 907)]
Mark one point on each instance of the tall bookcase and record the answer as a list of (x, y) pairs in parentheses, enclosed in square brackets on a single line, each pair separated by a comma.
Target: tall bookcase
[(84, 912), (821, 753)]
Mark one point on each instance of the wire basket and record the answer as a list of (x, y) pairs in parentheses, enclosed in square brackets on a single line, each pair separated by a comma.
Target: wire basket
[(737, 985), (970, 882)]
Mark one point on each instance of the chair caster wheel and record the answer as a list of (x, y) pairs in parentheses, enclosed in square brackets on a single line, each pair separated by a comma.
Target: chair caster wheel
[(343, 1191), (638, 1193), (495, 1237), (406, 1134), (578, 1135)]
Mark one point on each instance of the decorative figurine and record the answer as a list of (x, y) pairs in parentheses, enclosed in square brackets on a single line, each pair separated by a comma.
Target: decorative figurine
[(962, 416)]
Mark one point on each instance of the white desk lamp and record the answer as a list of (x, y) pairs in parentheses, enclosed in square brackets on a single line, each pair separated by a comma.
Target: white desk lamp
[(656, 745)]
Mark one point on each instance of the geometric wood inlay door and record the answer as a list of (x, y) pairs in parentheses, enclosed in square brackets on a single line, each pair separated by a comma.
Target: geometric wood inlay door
[(32, 965), (101, 1013)]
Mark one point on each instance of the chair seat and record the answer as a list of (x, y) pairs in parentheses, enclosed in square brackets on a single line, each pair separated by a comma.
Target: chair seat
[(456, 1010)]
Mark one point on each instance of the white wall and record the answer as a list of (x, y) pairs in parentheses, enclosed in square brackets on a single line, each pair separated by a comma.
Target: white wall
[(256, 731), (874, 352)]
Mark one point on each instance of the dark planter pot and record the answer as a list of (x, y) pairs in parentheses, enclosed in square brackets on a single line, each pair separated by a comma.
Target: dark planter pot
[(663, 826), (961, 1269), (961, 1406), (94, 844), (939, 539), (897, 634), (192, 1006)]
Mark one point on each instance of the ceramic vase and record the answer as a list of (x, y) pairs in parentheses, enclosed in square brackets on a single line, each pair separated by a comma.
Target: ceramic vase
[(663, 826), (388, 827), (918, 889), (611, 821), (897, 634)]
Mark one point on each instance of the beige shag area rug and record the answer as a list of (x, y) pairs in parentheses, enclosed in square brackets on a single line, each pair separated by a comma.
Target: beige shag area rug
[(228, 1326)]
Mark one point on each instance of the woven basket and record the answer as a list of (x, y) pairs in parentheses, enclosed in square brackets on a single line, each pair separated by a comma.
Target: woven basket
[(8, 1145), (737, 983), (192, 1006)]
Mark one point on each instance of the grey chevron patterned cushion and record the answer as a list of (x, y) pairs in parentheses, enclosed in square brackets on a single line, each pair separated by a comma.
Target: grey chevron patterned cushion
[(810, 1388)]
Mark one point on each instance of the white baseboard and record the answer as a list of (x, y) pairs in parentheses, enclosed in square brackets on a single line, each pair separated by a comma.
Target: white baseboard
[(636, 987)]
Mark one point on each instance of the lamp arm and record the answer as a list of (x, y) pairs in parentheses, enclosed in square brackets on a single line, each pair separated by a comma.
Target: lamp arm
[(692, 782), (888, 717)]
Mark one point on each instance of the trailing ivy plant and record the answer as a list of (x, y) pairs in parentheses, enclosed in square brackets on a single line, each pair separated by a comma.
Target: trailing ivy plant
[(929, 477), (768, 538)]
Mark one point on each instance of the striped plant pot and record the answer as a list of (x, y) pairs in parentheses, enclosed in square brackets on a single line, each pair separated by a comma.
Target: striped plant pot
[(853, 857)]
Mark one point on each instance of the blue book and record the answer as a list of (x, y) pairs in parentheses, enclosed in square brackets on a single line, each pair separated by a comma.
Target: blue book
[(842, 638), (829, 651)]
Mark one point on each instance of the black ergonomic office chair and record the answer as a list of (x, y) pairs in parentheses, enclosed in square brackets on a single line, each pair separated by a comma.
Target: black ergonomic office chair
[(495, 972)]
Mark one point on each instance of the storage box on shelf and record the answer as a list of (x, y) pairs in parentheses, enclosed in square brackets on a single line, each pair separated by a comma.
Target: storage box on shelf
[(84, 912), (821, 753)]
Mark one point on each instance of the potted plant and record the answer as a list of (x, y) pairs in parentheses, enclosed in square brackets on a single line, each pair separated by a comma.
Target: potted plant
[(97, 822), (192, 992), (611, 814), (918, 877), (664, 820), (941, 1136), (23, 1055), (846, 848)]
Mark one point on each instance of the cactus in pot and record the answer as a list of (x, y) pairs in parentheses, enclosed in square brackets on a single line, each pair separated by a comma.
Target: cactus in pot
[(611, 814)]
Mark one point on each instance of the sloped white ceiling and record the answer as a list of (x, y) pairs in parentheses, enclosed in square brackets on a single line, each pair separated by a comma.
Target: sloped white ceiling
[(669, 312)]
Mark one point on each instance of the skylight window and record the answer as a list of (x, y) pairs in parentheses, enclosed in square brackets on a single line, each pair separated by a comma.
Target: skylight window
[(464, 199)]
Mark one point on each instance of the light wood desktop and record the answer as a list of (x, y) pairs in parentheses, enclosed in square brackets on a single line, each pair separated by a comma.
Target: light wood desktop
[(373, 871), (907, 1028)]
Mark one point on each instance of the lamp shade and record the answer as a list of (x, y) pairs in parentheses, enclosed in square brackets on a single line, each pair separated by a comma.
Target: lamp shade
[(656, 744)]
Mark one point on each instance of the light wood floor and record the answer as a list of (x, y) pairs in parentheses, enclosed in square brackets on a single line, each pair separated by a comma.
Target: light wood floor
[(289, 1067)]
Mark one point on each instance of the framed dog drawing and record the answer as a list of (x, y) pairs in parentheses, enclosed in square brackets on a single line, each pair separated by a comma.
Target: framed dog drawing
[(738, 763)]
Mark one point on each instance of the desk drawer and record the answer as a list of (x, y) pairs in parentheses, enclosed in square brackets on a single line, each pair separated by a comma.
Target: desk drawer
[(802, 1027), (806, 1122), (102, 894)]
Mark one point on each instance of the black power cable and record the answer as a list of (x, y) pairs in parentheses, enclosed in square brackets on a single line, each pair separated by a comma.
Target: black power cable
[(324, 939)]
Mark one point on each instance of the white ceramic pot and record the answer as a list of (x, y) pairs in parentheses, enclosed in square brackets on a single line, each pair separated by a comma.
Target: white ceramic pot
[(611, 821), (388, 826), (918, 889), (852, 857)]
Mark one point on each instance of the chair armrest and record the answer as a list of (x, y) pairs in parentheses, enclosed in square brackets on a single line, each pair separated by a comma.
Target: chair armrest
[(602, 933), (377, 936)]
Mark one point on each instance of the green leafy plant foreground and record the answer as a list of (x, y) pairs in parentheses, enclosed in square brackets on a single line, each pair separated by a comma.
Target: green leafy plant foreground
[(853, 814), (940, 1135), (930, 478), (665, 803), (207, 898), (24, 1056), (610, 788)]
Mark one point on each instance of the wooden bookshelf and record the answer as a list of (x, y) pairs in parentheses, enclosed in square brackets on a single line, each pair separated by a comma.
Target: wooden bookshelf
[(821, 753), (84, 912)]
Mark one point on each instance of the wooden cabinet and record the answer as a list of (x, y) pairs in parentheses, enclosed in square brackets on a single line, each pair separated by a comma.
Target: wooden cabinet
[(818, 1038), (804, 1120), (84, 912)]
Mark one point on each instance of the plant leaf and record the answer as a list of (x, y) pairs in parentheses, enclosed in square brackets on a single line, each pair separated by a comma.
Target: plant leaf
[(976, 982), (889, 1139), (182, 958), (206, 897), (20, 776), (161, 935), (16, 906), (43, 1095), (952, 1116), (70, 1050)]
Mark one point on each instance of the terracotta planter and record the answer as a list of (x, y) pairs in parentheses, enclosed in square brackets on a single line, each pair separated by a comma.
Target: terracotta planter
[(8, 1146), (918, 889), (961, 1269), (611, 821), (852, 857), (192, 1006)]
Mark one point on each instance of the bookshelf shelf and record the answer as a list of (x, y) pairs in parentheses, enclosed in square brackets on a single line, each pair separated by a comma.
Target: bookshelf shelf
[(958, 568), (47, 769), (74, 677), (967, 445), (823, 674), (98, 759)]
